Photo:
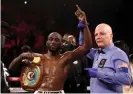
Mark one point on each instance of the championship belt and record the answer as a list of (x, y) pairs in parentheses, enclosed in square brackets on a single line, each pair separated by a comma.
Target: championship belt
[(31, 75)]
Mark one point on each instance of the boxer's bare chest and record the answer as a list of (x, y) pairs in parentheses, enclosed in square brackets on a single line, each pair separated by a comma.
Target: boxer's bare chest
[(53, 65), (53, 73)]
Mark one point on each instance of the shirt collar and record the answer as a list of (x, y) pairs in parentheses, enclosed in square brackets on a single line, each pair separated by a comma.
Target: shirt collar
[(107, 48)]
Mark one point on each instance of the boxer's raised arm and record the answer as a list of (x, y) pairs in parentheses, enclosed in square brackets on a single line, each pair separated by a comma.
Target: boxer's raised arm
[(87, 43)]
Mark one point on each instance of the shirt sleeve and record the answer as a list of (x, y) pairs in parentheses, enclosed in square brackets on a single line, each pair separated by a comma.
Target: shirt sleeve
[(91, 53), (122, 74)]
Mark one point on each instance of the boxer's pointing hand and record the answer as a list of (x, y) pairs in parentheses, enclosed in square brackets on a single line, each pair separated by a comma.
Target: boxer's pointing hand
[(80, 14)]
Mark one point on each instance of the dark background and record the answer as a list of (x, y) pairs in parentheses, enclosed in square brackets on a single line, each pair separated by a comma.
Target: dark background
[(58, 15)]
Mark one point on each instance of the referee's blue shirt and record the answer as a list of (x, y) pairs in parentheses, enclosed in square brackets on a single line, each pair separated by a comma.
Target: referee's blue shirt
[(111, 76)]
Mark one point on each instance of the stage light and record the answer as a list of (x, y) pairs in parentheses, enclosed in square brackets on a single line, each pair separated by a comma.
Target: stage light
[(25, 2)]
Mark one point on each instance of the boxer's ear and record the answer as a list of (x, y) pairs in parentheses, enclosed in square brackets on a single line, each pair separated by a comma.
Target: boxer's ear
[(47, 44)]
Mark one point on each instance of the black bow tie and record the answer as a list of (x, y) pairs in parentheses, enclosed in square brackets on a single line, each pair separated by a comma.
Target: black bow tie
[(101, 51)]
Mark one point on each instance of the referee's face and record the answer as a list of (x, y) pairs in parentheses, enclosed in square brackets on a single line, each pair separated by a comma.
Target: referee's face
[(103, 36)]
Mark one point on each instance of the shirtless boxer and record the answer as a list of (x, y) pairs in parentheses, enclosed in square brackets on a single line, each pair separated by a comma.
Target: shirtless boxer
[(54, 64)]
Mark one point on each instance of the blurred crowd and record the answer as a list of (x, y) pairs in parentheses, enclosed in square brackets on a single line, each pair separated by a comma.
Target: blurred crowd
[(18, 36)]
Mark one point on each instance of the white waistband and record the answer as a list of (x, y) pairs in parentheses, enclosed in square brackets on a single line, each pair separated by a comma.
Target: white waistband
[(50, 92)]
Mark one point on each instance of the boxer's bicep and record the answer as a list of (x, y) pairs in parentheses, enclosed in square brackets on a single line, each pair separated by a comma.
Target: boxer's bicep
[(76, 53), (37, 55)]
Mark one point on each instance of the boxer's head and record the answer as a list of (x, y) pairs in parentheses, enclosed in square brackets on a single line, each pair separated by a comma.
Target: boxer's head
[(54, 42), (103, 35)]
